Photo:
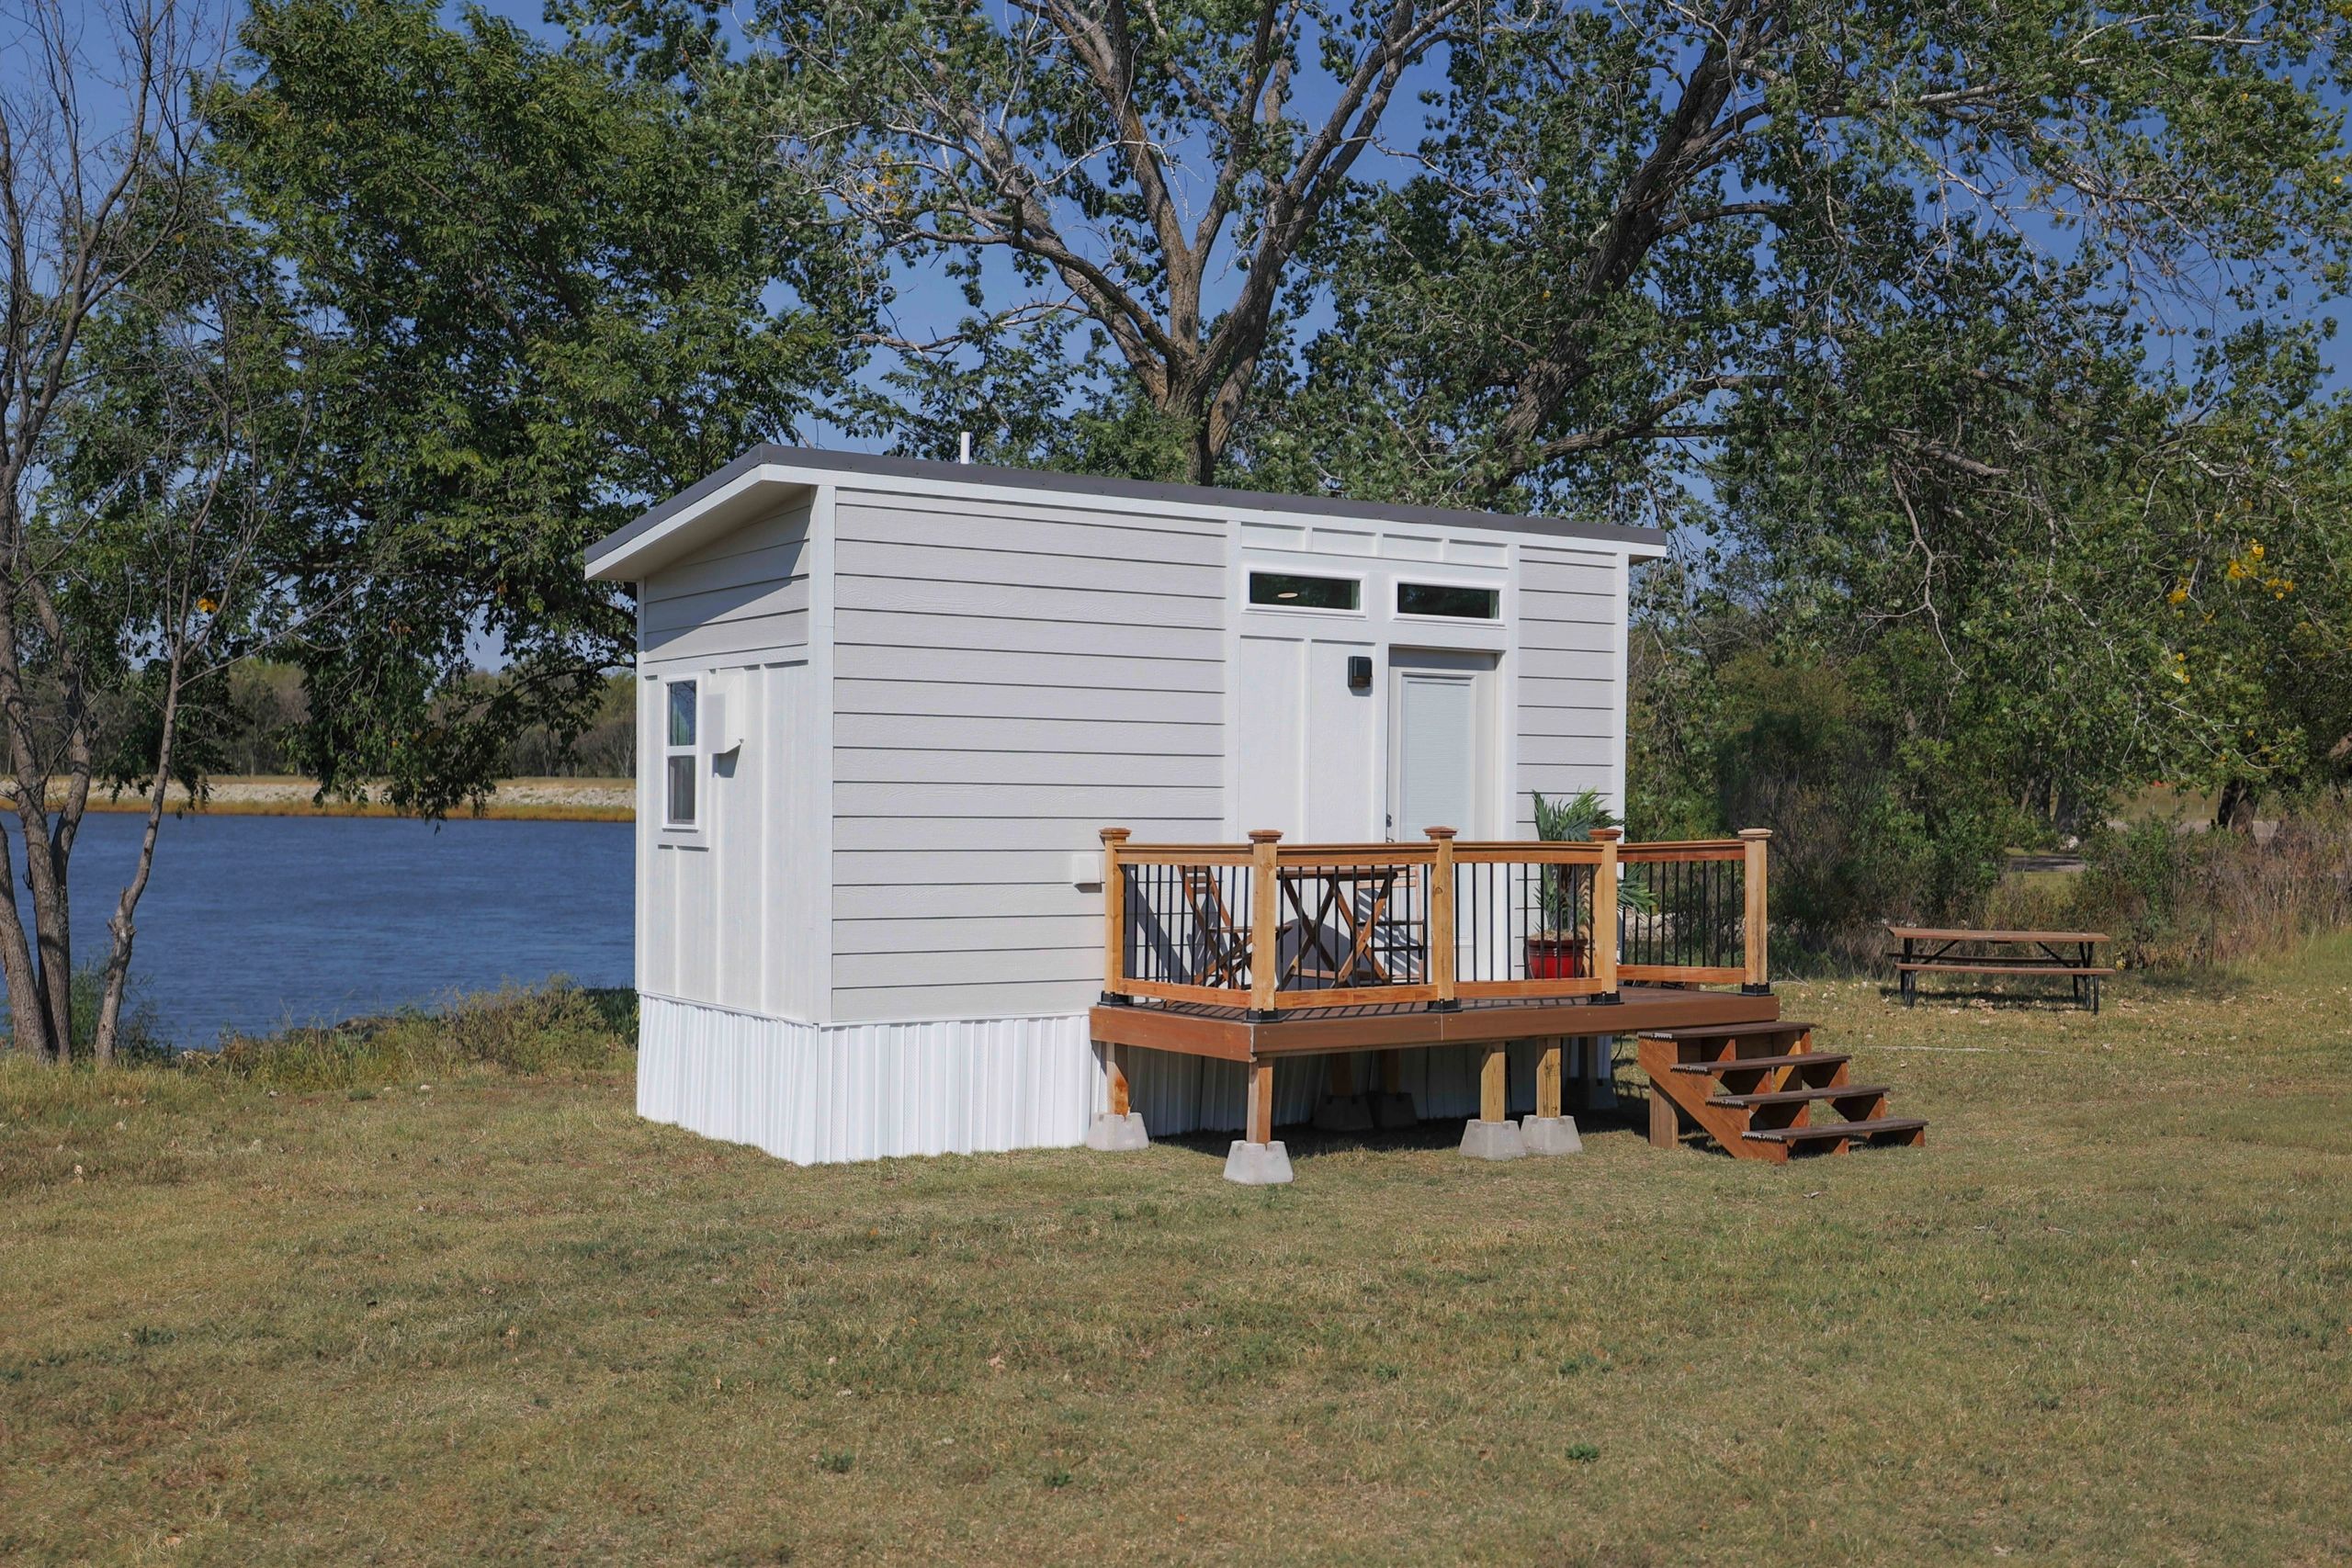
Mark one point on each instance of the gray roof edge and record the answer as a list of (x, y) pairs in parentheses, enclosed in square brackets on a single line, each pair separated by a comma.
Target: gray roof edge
[(876, 465)]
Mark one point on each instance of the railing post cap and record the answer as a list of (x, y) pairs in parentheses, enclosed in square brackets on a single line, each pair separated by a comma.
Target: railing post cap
[(1607, 835), (1117, 835), (1439, 832), (1757, 834), (1265, 835)]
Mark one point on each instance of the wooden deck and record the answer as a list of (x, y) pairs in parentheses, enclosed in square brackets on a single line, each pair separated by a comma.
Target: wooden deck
[(1227, 1033), (1251, 953)]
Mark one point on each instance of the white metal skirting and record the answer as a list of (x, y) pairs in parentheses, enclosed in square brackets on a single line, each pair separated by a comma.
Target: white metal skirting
[(817, 1094)]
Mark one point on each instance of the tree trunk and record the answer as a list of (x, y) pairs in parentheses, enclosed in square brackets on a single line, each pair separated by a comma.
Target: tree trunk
[(121, 928), (29, 1007), (2234, 808)]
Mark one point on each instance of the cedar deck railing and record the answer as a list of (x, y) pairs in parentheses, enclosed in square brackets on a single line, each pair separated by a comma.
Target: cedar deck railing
[(1432, 924)]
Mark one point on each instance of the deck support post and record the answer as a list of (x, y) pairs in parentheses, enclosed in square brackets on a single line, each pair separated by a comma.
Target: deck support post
[(1120, 1126), (1601, 1056), (1256, 1160), (1548, 1132), (1604, 914), (1343, 1110), (1756, 921), (1261, 1100), (1392, 1107), (1493, 1135)]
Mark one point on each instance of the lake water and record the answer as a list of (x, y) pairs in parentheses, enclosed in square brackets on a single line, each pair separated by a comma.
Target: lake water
[(253, 923)]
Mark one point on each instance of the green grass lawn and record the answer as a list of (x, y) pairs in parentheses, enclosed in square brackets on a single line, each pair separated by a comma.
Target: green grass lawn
[(2105, 1316)]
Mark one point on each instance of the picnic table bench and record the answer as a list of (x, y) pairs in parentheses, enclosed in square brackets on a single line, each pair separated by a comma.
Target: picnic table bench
[(2071, 953)]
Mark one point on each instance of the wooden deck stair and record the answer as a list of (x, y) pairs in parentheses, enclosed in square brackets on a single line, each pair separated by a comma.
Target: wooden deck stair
[(1754, 1087)]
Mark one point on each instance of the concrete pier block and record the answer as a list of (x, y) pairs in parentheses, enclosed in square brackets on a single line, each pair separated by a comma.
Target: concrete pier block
[(1392, 1112), (1257, 1164), (1550, 1136), (1492, 1140), (1111, 1134)]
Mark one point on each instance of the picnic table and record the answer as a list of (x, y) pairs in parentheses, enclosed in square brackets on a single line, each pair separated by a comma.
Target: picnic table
[(1959, 950)]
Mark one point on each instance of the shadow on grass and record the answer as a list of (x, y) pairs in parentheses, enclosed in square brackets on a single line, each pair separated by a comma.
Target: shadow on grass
[(1307, 1142), (2168, 984)]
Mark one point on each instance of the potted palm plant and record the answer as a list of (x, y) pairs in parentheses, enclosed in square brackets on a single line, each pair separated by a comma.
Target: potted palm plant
[(1562, 949)]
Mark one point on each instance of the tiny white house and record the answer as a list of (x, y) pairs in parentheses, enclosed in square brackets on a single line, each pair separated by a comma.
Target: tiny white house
[(887, 707)]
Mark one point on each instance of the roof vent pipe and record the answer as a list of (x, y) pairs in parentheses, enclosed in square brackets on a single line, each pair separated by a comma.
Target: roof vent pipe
[(964, 450)]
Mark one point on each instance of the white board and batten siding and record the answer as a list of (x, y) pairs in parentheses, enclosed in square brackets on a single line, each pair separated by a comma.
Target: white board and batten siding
[(719, 921), (1007, 679)]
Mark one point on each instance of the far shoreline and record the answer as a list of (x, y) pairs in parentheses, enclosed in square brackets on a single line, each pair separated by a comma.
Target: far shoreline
[(514, 800)]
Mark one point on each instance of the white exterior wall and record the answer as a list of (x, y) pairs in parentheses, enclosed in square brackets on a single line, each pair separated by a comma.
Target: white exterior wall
[(1569, 643), (876, 943), (723, 908), (1008, 680)]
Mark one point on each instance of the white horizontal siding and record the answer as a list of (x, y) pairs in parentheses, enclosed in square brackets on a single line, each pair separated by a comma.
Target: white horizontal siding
[(1138, 735), (896, 933), (1569, 641), (1016, 570), (888, 870), (1008, 680), (1108, 636), (745, 594), (911, 765), (1098, 803), (977, 699), (948, 839), (960, 523), (931, 898)]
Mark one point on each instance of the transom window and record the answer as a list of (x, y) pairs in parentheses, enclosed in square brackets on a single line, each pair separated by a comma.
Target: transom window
[(1448, 599), (678, 763), (1287, 590)]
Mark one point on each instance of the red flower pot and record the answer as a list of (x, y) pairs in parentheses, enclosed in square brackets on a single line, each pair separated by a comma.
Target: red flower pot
[(1556, 957)]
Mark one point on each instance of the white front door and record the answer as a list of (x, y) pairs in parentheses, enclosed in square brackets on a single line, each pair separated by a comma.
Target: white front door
[(1440, 744)]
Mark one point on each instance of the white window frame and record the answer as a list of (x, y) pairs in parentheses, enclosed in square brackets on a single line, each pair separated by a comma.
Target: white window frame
[(1439, 580), (671, 752), (1362, 610)]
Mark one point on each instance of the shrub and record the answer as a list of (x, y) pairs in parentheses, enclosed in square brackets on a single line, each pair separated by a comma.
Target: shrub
[(2182, 900), (556, 1027)]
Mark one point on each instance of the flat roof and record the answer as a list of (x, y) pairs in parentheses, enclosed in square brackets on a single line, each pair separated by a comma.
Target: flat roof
[(981, 477)]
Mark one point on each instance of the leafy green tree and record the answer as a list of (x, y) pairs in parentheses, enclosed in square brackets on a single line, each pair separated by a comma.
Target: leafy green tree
[(98, 185), (169, 531), (1149, 176), (545, 295), (1652, 229)]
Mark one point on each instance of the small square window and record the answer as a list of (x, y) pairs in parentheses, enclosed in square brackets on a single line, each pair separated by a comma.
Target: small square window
[(1284, 590), (680, 808), (1445, 599)]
